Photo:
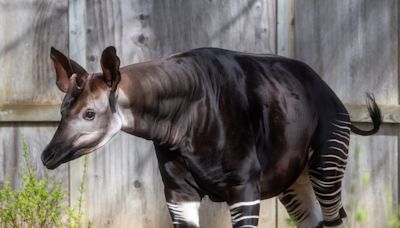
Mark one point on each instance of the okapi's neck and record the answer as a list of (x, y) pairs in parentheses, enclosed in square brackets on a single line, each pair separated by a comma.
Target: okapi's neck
[(156, 102)]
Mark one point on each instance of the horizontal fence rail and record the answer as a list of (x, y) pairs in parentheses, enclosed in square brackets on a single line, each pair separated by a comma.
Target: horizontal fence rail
[(51, 113)]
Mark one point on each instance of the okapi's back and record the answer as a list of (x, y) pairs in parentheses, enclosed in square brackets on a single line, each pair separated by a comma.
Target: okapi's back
[(251, 73), (263, 98)]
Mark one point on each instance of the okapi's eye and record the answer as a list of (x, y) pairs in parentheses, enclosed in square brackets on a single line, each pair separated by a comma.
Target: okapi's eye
[(89, 115)]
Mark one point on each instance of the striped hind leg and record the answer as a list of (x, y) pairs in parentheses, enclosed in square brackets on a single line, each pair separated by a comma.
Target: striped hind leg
[(327, 167), (301, 203)]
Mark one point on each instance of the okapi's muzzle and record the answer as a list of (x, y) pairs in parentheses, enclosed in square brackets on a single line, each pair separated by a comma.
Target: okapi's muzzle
[(60, 149), (55, 155)]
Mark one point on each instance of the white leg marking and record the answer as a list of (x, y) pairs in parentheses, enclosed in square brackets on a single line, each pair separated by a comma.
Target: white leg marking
[(341, 127), (247, 226), (338, 149), (336, 157), (244, 217), (185, 211), (326, 184), (341, 135), (236, 216), (339, 142), (241, 204), (335, 164), (344, 122), (330, 169), (329, 194)]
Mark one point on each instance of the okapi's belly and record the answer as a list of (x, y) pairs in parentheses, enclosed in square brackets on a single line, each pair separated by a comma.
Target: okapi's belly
[(276, 180), (286, 149)]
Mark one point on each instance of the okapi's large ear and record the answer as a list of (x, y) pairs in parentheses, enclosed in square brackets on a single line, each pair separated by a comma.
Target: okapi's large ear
[(65, 67), (110, 65)]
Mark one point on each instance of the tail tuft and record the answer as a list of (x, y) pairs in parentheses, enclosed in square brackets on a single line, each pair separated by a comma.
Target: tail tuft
[(375, 114)]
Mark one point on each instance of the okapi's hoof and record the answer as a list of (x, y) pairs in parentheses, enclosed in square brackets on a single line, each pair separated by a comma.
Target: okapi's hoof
[(335, 223), (342, 213), (320, 225)]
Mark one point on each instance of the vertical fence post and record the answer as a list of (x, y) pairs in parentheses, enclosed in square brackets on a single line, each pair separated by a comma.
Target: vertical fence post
[(285, 28), (285, 46), (77, 52)]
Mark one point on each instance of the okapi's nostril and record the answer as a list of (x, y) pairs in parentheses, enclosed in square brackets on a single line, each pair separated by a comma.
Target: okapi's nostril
[(42, 157), (47, 156)]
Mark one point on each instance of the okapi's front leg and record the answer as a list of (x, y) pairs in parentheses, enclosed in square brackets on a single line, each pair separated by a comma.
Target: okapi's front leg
[(244, 205), (243, 189), (182, 198), (183, 208)]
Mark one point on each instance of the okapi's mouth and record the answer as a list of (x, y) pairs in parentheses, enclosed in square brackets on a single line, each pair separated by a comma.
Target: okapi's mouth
[(56, 158)]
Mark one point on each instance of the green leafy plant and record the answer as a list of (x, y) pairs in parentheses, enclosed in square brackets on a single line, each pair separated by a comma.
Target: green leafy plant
[(38, 202), (75, 214), (291, 221), (357, 212), (393, 213)]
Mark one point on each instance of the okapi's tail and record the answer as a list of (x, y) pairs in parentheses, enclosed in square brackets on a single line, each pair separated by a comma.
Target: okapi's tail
[(374, 113)]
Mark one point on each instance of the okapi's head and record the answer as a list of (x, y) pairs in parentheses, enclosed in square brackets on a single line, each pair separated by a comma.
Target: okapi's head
[(88, 111)]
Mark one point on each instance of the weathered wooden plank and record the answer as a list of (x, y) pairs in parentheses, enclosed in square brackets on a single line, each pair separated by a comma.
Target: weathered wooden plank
[(371, 179), (77, 31), (27, 31), (285, 28), (353, 45), (29, 113), (159, 28), (77, 52)]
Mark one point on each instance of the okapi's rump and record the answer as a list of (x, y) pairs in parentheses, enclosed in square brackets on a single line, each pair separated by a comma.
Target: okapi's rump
[(234, 126)]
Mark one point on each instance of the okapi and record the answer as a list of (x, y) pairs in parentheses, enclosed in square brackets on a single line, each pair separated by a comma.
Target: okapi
[(236, 127)]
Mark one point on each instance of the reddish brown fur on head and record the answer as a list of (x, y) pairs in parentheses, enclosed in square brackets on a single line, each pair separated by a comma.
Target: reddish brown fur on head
[(88, 117)]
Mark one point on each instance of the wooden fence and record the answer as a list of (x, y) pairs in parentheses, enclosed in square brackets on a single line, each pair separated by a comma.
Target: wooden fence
[(352, 44)]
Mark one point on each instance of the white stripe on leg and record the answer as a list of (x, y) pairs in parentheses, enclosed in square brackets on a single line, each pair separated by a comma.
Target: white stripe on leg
[(185, 211), (238, 212), (241, 204), (244, 217)]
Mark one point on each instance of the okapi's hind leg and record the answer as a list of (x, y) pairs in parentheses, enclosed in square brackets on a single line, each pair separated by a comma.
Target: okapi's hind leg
[(327, 167), (301, 204)]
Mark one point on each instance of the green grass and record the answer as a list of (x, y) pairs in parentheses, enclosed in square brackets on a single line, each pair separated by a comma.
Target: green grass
[(38, 202)]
